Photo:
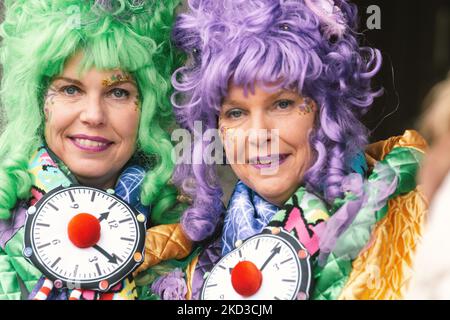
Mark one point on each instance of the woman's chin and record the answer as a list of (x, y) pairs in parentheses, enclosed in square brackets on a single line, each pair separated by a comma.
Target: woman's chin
[(92, 175)]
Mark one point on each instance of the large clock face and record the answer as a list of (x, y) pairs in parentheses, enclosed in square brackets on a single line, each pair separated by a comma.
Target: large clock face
[(53, 244), (282, 263)]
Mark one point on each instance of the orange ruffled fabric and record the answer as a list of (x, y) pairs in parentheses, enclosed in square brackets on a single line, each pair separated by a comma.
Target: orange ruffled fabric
[(383, 270), (164, 242), (410, 139)]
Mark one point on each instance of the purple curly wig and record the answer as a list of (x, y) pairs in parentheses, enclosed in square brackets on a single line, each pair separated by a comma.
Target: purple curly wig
[(269, 41)]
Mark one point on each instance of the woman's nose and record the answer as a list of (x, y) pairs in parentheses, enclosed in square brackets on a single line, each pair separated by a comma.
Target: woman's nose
[(93, 113), (260, 131)]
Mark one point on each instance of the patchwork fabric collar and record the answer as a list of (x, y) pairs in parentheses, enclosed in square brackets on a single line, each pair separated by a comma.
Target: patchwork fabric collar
[(248, 214), (49, 172)]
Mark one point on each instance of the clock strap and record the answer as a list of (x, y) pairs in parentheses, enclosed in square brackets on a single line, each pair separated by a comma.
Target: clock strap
[(303, 216)]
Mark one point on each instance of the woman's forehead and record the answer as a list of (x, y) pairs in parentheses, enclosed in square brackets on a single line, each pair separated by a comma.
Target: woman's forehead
[(259, 87), (75, 67)]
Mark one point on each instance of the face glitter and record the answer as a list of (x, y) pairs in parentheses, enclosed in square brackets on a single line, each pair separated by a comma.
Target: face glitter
[(116, 78), (306, 107)]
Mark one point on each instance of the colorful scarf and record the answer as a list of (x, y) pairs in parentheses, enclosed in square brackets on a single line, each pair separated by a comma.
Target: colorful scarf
[(49, 172), (248, 214)]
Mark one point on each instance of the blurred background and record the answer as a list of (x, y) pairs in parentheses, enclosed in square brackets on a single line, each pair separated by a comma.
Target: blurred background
[(415, 41)]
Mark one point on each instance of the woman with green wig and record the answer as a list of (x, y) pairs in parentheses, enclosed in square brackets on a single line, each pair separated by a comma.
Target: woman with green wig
[(85, 155)]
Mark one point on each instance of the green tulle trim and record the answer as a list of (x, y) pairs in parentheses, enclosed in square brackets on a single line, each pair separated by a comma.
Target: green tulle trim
[(401, 163)]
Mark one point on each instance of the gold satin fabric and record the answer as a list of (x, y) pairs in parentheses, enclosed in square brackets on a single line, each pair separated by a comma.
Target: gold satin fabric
[(164, 242), (383, 269)]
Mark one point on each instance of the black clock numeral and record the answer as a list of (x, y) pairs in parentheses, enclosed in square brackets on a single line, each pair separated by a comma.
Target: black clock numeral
[(56, 242), (111, 258), (75, 206), (93, 259), (113, 224)]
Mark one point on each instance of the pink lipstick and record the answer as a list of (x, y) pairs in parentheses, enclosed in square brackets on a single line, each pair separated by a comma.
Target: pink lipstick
[(90, 143)]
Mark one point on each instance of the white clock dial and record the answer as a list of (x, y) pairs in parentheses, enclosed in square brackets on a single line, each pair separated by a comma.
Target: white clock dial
[(120, 237), (276, 258)]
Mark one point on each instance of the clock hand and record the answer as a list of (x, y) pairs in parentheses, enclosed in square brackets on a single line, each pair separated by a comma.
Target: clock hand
[(111, 258), (103, 216), (276, 250)]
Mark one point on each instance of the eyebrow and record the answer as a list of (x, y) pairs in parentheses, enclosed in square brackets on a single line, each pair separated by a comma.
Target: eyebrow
[(74, 81), (79, 83), (231, 102), (275, 95), (272, 97)]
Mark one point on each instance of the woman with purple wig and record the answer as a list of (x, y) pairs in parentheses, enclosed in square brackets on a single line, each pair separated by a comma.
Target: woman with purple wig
[(286, 83)]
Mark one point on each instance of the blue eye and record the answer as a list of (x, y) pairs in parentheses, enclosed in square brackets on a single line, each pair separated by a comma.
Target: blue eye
[(284, 104), (119, 93), (70, 90), (235, 113)]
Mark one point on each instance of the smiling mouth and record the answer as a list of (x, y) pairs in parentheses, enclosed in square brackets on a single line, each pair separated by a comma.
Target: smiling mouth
[(267, 161), (87, 143)]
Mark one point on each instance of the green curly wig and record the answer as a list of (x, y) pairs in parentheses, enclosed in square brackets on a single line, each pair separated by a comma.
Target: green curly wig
[(39, 36)]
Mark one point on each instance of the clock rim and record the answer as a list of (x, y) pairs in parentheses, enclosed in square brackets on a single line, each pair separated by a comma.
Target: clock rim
[(113, 278), (295, 246)]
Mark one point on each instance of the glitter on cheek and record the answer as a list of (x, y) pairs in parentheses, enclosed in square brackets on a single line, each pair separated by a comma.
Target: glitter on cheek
[(224, 132), (48, 114), (306, 107), (49, 102), (137, 104), (50, 97), (228, 136)]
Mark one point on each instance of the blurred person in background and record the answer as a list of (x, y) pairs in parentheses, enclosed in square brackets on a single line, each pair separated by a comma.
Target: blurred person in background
[(432, 264)]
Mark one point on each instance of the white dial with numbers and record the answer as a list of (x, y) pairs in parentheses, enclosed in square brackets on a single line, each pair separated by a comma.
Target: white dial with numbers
[(282, 262), (54, 246)]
